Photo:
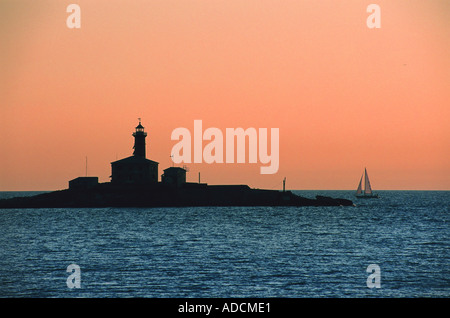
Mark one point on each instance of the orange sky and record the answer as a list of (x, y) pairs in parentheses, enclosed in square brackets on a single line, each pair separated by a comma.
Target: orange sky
[(344, 96)]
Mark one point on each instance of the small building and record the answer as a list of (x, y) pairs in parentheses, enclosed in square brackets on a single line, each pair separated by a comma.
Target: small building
[(82, 183), (135, 169), (174, 176)]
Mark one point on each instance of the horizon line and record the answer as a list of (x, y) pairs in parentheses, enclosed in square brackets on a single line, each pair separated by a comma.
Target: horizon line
[(261, 189)]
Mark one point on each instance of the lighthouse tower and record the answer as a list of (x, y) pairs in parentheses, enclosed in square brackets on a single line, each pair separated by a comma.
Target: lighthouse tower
[(139, 141), (136, 169)]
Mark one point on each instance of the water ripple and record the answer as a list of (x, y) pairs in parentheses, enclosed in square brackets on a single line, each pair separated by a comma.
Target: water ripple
[(231, 251)]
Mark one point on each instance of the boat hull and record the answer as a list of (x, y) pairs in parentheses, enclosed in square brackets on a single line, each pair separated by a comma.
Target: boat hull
[(367, 196)]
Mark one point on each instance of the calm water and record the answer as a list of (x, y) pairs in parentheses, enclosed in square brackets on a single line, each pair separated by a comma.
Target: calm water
[(232, 252)]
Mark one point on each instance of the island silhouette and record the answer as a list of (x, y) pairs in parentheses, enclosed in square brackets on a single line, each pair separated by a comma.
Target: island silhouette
[(134, 183)]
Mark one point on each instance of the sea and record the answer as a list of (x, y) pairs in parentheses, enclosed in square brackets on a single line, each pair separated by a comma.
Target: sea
[(396, 246)]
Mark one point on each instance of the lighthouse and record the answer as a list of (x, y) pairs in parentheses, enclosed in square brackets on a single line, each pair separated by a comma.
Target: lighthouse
[(136, 169), (139, 140)]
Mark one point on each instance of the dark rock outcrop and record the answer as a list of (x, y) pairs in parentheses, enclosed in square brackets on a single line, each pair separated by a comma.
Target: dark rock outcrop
[(159, 195)]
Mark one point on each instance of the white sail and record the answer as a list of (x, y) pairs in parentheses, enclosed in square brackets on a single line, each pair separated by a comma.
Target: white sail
[(367, 187), (359, 190)]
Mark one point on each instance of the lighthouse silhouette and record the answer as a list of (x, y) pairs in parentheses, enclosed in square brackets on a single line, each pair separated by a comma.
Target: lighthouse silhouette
[(136, 169), (139, 140)]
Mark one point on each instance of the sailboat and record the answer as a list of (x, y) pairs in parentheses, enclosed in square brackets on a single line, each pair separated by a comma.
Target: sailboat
[(367, 193)]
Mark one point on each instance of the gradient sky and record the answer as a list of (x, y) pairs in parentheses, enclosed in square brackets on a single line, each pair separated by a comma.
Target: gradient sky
[(344, 96)]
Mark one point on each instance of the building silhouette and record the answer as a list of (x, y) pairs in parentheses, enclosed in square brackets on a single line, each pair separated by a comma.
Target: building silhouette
[(136, 169), (83, 183), (134, 183), (174, 176)]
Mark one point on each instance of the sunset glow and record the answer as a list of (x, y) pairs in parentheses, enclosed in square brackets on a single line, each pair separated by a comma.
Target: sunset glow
[(343, 96)]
